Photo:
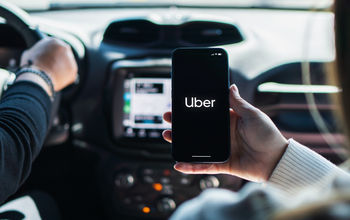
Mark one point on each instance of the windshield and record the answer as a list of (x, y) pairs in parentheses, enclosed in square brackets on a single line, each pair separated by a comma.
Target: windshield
[(286, 4)]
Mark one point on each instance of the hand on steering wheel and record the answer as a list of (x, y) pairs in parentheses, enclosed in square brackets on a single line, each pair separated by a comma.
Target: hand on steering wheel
[(50, 55), (55, 58)]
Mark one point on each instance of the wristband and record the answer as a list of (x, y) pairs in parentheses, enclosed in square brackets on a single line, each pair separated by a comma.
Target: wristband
[(42, 75)]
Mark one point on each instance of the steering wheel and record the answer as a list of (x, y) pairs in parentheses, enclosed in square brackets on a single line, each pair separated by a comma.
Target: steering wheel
[(20, 21)]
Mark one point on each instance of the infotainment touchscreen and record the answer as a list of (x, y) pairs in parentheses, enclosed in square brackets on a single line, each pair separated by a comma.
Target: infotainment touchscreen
[(145, 101)]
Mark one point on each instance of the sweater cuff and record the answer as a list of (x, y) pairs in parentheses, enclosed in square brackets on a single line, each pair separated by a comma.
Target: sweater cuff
[(300, 167)]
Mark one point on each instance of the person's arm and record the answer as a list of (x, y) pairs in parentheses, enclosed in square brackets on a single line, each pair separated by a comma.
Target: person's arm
[(25, 110), (256, 144), (255, 201), (24, 117), (301, 167), (257, 147), (260, 153), (252, 202)]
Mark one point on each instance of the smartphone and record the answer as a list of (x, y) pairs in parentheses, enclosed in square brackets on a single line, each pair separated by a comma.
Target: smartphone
[(200, 105)]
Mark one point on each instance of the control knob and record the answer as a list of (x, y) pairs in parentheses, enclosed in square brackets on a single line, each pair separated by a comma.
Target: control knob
[(124, 180), (166, 205), (209, 182)]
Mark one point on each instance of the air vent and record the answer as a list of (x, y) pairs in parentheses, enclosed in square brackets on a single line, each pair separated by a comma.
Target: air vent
[(138, 32), (204, 33), (144, 33), (281, 95)]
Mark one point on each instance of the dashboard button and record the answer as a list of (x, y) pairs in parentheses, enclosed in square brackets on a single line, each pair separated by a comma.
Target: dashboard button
[(166, 172), (148, 179), (138, 198), (129, 132), (167, 190), (157, 186), (154, 134), (146, 209), (141, 133), (165, 180), (147, 171), (127, 201), (184, 181)]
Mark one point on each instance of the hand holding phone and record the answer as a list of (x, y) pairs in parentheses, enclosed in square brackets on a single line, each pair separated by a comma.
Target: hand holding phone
[(200, 105), (256, 143)]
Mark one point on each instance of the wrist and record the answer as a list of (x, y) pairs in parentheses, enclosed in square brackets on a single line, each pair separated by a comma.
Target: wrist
[(31, 77), (47, 71), (274, 158), (36, 75)]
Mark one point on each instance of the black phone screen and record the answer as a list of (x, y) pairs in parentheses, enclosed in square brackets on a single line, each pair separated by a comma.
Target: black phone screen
[(200, 105)]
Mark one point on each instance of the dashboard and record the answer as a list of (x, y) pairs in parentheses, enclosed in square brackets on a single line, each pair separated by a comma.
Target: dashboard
[(115, 110)]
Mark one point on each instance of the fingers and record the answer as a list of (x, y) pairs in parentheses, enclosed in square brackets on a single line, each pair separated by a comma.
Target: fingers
[(238, 104), (167, 133), (167, 136), (167, 117), (210, 168)]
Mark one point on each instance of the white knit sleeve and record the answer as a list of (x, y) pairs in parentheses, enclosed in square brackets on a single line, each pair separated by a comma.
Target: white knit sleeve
[(301, 167)]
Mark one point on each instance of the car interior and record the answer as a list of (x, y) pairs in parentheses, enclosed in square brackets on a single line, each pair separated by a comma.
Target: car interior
[(104, 156)]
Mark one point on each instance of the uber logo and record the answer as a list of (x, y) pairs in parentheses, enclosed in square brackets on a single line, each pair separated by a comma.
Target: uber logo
[(193, 102)]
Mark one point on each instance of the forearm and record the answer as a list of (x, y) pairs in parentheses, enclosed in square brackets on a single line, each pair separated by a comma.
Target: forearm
[(300, 167), (24, 118)]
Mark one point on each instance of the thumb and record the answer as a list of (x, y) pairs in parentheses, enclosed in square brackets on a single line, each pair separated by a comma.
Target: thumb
[(238, 104)]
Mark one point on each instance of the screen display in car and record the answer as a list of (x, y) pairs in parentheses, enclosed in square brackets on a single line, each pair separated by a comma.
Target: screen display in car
[(145, 101)]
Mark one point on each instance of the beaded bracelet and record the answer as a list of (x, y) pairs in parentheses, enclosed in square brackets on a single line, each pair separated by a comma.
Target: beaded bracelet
[(42, 75)]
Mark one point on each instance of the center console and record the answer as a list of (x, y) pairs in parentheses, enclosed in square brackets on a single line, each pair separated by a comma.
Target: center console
[(142, 182)]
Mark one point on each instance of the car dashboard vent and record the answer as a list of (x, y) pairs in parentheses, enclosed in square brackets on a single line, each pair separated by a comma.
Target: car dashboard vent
[(144, 33), (138, 32), (282, 97), (203, 33)]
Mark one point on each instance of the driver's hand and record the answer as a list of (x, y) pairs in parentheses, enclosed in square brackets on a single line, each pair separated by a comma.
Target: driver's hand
[(54, 57), (256, 144)]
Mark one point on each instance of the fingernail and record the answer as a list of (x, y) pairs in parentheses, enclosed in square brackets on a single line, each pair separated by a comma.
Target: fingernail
[(234, 88), (178, 166)]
